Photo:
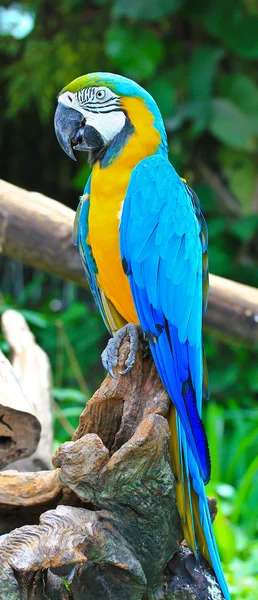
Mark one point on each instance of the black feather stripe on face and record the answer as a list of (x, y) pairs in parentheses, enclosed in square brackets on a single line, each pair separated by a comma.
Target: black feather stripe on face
[(87, 98)]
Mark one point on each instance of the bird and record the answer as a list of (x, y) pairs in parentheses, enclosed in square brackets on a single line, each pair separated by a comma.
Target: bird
[(143, 242)]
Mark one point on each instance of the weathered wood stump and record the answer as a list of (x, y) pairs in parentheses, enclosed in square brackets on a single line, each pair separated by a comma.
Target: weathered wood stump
[(115, 532)]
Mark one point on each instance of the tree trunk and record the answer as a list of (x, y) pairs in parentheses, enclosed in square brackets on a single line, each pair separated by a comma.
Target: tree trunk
[(113, 530)]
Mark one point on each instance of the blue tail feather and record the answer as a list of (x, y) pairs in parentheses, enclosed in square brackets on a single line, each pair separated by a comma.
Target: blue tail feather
[(204, 513)]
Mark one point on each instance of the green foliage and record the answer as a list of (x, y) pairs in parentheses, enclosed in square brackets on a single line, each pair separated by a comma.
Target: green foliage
[(138, 56), (235, 464), (198, 60), (148, 10), (202, 70), (224, 116)]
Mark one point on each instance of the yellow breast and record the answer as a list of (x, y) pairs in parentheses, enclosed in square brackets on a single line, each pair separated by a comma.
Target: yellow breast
[(108, 190), (105, 204)]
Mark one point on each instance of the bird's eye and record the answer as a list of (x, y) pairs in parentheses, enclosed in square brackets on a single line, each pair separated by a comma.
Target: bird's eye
[(100, 94)]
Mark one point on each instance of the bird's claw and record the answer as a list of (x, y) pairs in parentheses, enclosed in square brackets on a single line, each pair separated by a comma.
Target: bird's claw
[(109, 356)]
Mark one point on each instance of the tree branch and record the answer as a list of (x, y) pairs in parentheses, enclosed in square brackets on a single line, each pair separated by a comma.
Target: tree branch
[(38, 231)]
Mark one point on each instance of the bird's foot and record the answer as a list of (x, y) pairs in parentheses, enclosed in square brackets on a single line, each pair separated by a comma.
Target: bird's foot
[(109, 356)]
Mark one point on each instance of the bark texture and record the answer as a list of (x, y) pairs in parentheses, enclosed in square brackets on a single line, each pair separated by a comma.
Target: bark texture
[(113, 530)]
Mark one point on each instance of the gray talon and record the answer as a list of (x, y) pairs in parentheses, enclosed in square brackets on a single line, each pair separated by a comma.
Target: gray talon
[(110, 355)]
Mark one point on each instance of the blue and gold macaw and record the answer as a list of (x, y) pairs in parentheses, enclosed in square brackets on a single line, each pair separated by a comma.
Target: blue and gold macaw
[(143, 243)]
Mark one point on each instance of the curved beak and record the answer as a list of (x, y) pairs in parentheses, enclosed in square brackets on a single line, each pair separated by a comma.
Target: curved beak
[(67, 122), (73, 133)]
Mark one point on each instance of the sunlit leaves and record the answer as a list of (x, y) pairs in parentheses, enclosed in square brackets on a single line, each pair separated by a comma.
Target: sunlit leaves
[(16, 20)]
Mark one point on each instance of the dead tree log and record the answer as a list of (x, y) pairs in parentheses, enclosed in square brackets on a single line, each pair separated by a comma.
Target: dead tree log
[(37, 231), (115, 533)]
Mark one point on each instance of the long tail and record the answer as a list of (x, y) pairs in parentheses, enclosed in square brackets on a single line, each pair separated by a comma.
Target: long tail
[(192, 503)]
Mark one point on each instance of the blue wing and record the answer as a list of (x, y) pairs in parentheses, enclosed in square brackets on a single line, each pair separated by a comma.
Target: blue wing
[(163, 242), (162, 245), (81, 238)]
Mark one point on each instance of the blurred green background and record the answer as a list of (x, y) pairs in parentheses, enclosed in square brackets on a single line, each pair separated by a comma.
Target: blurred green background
[(199, 61)]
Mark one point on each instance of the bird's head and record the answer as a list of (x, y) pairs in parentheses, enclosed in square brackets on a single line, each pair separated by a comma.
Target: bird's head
[(101, 111)]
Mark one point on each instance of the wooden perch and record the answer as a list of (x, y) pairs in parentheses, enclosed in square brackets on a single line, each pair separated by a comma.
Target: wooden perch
[(117, 533), (38, 231), (28, 489)]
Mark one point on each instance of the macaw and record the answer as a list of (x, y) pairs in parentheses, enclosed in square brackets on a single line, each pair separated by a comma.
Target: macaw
[(143, 243)]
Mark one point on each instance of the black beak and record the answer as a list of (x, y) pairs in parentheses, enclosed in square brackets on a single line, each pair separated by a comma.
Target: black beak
[(73, 133)]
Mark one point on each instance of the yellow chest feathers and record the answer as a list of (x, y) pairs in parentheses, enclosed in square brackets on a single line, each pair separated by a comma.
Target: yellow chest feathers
[(108, 190)]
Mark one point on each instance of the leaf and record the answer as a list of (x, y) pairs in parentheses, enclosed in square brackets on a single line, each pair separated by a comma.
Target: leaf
[(241, 450), (4, 346), (196, 109), (243, 91), (245, 228), (218, 16), (242, 37), (136, 55), (214, 426), (224, 536), (202, 70), (244, 489), (147, 10), (224, 532), (217, 226), (163, 91), (69, 394), (218, 264), (206, 196), (230, 125), (240, 172), (34, 318), (82, 176)]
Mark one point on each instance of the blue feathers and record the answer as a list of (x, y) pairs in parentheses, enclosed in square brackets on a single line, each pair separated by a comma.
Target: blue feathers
[(163, 244), (160, 240), (80, 235)]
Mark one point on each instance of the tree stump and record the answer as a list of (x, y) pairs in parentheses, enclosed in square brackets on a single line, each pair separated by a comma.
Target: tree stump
[(113, 530)]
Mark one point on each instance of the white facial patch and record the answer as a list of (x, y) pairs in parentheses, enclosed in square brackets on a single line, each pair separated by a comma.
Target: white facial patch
[(99, 107), (107, 124)]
